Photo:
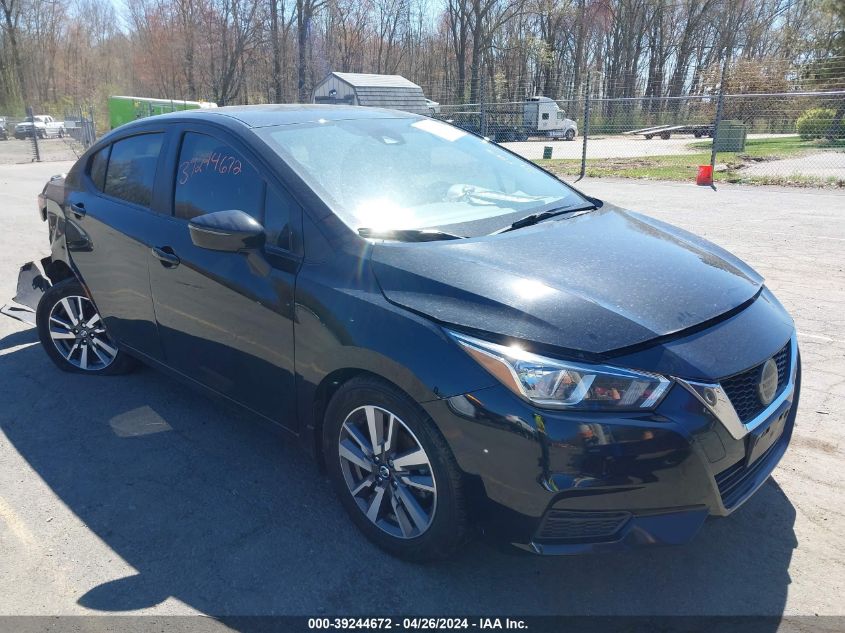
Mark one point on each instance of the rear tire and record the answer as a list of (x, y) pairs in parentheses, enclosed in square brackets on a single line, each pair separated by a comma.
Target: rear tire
[(73, 334), (407, 495)]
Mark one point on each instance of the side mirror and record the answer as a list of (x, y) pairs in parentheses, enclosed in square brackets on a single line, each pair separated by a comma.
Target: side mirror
[(231, 231)]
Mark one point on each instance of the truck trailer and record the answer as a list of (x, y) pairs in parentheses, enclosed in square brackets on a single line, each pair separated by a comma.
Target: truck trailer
[(125, 109)]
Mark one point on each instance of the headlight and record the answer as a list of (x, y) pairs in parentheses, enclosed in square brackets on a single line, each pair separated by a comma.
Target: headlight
[(549, 382)]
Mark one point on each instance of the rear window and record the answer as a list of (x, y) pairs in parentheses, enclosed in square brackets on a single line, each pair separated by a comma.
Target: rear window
[(132, 168)]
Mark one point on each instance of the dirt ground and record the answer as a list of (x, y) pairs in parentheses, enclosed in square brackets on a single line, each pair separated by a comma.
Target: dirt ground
[(821, 165), (616, 146), (13, 151)]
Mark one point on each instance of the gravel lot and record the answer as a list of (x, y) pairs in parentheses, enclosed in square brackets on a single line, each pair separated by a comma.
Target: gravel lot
[(819, 165), (618, 146), (14, 151), (134, 494)]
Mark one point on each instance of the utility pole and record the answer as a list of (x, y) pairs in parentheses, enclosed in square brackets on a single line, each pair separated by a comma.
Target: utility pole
[(586, 130), (34, 130), (719, 107)]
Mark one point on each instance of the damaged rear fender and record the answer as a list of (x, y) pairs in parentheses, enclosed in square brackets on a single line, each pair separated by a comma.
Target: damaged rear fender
[(32, 284), (34, 279)]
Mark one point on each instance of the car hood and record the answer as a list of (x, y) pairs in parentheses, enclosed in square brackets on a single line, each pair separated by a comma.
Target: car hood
[(593, 283)]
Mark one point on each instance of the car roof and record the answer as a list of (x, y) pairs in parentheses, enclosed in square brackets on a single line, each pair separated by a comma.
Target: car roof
[(255, 116)]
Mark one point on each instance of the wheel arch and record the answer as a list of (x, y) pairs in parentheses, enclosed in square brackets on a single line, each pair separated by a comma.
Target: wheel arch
[(323, 394), (58, 270)]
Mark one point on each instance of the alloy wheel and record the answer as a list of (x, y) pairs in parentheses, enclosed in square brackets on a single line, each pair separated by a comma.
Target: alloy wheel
[(387, 472), (77, 332)]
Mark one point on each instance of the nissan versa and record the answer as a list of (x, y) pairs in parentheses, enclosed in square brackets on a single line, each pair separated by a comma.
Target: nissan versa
[(461, 339)]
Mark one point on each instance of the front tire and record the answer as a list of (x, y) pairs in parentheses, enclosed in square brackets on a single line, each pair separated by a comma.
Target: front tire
[(73, 334), (394, 472), (570, 135)]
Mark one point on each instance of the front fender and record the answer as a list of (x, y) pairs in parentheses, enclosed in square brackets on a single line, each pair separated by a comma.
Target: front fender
[(343, 327)]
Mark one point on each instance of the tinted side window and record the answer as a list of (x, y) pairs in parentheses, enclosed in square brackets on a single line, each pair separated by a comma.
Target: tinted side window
[(211, 176), (98, 167), (279, 211), (132, 168)]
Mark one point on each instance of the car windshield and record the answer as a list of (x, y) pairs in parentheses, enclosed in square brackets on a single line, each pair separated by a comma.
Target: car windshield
[(408, 173)]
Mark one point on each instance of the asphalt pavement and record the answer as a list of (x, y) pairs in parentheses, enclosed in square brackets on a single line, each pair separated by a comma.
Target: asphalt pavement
[(134, 494)]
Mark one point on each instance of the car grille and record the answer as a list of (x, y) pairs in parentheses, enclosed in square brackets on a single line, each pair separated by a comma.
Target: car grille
[(734, 482), (742, 388), (574, 526)]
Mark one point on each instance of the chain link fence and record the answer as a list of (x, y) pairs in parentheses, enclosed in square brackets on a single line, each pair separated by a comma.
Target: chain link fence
[(785, 138), (34, 138), (788, 138), (517, 121)]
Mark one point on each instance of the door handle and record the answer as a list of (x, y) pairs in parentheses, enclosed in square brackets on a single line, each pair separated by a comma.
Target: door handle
[(78, 209), (166, 256)]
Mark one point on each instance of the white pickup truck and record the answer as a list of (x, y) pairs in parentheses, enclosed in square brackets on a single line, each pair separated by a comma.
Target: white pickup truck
[(44, 125)]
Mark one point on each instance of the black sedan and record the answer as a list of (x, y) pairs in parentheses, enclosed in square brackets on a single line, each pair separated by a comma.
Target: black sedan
[(462, 340)]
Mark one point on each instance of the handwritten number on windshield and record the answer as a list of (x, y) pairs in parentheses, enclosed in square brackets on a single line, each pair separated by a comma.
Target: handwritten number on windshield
[(214, 162)]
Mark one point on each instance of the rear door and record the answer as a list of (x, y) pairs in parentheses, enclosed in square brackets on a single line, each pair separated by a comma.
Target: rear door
[(226, 320), (111, 219)]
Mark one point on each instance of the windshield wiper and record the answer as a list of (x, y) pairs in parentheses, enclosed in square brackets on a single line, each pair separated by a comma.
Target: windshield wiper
[(534, 218), (481, 196), (408, 235)]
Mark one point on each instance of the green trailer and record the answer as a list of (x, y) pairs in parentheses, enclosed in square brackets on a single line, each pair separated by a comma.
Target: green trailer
[(125, 109)]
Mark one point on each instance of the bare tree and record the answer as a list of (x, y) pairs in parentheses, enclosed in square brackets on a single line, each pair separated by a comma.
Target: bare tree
[(11, 17), (305, 12), (238, 51)]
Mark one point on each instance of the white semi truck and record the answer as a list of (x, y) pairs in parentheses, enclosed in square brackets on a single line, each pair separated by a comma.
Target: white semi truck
[(534, 117), (542, 116)]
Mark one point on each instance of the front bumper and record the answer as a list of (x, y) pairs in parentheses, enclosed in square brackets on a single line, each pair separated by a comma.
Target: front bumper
[(555, 482)]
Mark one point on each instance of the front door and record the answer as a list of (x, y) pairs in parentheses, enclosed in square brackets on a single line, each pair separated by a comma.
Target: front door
[(226, 319)]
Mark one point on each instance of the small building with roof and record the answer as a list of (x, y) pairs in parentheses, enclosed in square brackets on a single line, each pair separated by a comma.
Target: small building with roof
[(375, 91)]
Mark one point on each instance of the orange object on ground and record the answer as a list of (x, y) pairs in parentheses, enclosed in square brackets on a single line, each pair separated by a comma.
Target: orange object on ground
[(705, 175)]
